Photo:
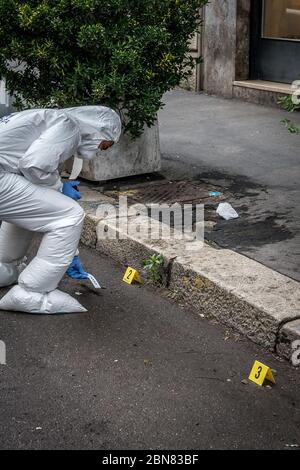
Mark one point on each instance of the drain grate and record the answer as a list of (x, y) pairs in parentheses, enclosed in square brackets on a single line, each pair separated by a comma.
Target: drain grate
[(169, 192)]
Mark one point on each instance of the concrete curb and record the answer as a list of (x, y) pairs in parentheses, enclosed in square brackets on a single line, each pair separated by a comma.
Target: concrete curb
[(287, 335), (225, 286)]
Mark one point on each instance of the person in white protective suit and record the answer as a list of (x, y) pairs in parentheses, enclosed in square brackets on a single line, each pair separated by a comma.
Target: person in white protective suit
[(33, 145)]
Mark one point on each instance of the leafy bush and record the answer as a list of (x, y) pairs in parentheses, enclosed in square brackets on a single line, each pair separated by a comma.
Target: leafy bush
[(122, 53)]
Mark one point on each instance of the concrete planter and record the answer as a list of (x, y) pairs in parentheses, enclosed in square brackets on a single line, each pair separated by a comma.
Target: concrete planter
[(127, 158)]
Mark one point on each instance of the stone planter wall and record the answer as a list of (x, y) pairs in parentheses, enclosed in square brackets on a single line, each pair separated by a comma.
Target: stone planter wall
[(127, 158)]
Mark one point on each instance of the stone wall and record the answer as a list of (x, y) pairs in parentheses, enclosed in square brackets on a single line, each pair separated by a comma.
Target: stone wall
[(242, 57), (191, 84), (219, 47), (252, 95), (226, 45)]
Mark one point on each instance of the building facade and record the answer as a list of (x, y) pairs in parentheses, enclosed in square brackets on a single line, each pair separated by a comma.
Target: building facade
[(251, 49)]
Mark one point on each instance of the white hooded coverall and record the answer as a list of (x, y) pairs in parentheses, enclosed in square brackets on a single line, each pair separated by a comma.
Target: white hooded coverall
[(33, 144)]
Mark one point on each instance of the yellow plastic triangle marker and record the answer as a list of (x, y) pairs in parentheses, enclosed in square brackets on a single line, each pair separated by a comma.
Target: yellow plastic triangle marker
[(131, 275), (260, 372)]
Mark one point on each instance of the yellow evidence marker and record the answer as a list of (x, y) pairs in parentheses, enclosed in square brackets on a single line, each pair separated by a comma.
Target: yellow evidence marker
[(131, 275), (260, 373)]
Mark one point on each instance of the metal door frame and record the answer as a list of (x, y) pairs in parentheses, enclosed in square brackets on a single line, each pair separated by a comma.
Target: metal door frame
[(271, 59)]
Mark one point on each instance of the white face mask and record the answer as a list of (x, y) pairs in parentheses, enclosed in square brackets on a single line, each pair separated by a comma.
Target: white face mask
[(88, 146)]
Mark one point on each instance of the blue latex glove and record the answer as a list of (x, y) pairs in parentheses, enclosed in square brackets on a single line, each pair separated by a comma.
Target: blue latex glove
[(70, 189), (76, 271)]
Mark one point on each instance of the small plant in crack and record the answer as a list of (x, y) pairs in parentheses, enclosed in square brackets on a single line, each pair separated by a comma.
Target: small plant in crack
[(286, 103), (291, 127), (290, 104), (154, 264)]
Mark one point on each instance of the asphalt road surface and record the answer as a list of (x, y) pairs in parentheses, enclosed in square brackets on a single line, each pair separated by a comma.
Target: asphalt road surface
[(137, 372)]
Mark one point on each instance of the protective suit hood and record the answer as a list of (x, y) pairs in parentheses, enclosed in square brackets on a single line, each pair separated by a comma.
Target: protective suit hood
[(96, 123)]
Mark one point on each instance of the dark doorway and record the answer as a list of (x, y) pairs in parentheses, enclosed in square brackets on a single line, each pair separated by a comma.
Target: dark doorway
[(275, 40)]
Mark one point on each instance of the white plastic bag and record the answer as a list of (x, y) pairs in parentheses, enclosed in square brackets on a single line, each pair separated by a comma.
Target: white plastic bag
[(21, 300), (226, 211)]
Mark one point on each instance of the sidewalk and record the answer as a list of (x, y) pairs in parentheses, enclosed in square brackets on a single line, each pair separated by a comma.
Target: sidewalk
[(137, 371), (244, 149)]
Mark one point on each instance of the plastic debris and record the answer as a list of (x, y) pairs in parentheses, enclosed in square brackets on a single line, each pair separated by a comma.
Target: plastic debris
[(226, 211), (94, 281), (215, 193)]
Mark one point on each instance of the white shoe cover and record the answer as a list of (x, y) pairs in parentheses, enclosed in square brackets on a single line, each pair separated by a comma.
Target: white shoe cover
[(9, 272), (21, 300)]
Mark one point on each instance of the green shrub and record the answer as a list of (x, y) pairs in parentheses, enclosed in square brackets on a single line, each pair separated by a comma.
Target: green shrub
[(122, 53)]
